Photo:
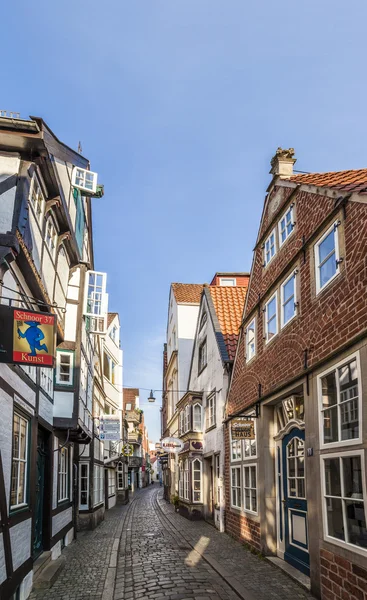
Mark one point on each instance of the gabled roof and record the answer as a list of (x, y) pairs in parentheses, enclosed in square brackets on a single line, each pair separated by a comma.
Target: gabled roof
[(187, 293), (110, 318), (348, 181), (228, 303)]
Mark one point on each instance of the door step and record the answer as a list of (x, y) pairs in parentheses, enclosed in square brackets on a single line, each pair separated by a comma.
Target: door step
[(47, 577), (291, 571), (41, 563)]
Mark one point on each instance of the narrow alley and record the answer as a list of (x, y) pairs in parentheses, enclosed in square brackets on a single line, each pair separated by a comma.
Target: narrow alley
[(146, 550)]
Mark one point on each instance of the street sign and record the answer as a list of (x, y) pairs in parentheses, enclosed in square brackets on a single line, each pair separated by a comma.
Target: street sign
[(171, 444), (109, 428), (27, 337), (242, 429)]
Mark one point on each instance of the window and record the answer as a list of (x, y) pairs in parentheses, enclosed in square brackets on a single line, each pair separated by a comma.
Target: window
[(236, 487), (98, 484), (120, 476), (290, 408), (269, 248), (196, 480), (186, 480), (128, 406), (109, 368), (19, 467), (236, 450), (341, 403), (84, 180), (271, 319), (250, 341), (180, 480), (327, 257), (46, 380), (249, 488), (63, 483), (345, 507), (286, 225), (64, 368), (203, 320), (210, 411), (296, 468), (249, 447), (51, 236), (187, 418), (37, 198), (227, 281), (202, 356), (96, 301), (111, 482), (182, 422), (114, 334), (84, 486), (288, 300), (196, 414), (217, 478)]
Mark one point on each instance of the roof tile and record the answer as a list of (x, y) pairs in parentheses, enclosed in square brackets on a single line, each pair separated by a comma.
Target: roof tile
[(348, 181), (229, 303), (189, 293)]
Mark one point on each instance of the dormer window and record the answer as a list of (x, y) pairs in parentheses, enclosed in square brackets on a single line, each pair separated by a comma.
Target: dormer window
[(286, 225), (269, 248), (84, 180), (227, 281)]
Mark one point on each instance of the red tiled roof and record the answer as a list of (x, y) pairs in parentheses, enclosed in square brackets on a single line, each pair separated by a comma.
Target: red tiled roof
[(110, 318), (229, 303), (187, 292), (348, 181)]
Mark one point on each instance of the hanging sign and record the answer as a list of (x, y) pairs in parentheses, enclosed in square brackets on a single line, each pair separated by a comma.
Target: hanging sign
[(27, 337), (171, 444), (243, 429), (109, 428), (128, 450)]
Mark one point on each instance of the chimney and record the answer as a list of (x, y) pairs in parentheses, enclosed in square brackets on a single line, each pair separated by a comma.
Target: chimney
[(282, 163)]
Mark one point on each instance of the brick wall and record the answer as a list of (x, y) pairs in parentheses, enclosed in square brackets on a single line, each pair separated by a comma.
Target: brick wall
[(243, 528), (324, 322), (341, 578)]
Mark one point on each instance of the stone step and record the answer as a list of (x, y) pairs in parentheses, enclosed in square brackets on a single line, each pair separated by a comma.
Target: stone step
[(41, 563), (49, 574)]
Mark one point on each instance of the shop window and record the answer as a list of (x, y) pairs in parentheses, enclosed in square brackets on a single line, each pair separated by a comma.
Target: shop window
[(249, 488), (345, 499), (340, 401), (83, 486), (111, 482), (197, 480), (236, 487)]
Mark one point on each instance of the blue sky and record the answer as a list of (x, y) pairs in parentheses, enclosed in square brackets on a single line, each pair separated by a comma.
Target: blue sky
[(180, 105)]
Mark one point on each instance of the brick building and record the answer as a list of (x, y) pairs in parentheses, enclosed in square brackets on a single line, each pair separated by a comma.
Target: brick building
[(301, 369)]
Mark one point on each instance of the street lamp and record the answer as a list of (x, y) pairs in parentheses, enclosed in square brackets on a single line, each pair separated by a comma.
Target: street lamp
[(151, 397)]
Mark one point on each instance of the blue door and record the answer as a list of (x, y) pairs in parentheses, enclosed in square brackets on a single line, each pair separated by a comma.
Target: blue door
[(294, 499)]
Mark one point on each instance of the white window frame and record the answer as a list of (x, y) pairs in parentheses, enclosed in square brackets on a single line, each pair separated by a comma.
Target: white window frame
[(96, 301), (289, 209), (249, 465), (59, 355), (239, 444), (111, 482), (120, 474), (51, 242), (273, 232), (180, 480), (250, 443), (98, 484), (201, 365), (335, 367), (63, 491), (83, 506), (38, 205), (182, 422), (193, 470), (186, 480), (267, 339), (339, 456), (211, 408), (187, 418), (252, 323), (223, 281), (81, 174), (282, 286), (19, 460), (334, 227), (194, 426), (237, 487)]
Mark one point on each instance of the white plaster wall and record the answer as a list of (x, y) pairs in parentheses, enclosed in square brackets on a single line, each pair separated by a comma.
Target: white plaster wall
[(111, 502), (187, 316), (69, 536), (48, 272), (37, 240), (171, 324), (45, 408), (18, 384), (9, 165), (71, 317), (2, 560), (61, 520), (26, 586), (56, 550), (63, 404), (20, 541)]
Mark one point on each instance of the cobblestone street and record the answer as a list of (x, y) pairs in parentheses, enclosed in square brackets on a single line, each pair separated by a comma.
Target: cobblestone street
[(162, 556)]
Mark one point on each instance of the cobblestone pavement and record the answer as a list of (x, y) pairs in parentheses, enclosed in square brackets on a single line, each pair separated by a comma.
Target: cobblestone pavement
[(163, 556)]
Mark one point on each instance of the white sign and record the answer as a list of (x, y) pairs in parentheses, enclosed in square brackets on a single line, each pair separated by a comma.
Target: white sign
[(109, 428), (171, 444)]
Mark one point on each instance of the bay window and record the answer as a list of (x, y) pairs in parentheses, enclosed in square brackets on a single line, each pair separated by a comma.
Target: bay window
[(186, 480), (196, 417), (197, 480)]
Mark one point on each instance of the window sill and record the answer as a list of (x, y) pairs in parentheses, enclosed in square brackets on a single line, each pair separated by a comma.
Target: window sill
[(210, 428), (340, 445), (326, 285)]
